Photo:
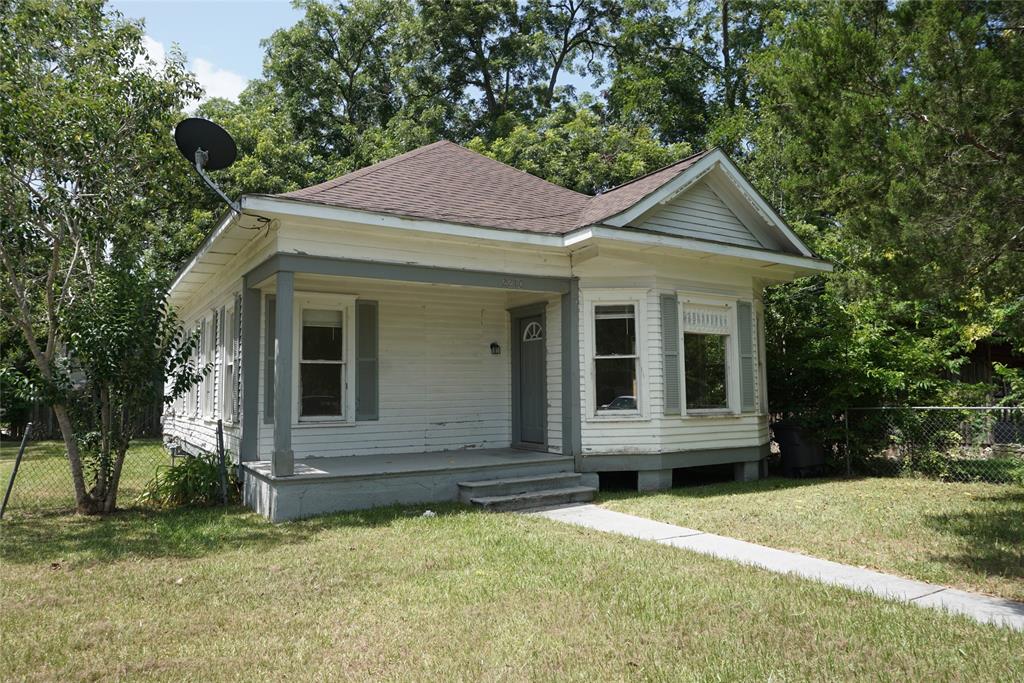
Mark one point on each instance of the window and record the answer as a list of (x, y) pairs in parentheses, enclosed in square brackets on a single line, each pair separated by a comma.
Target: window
[(615, 358), (209, 355), (707, 344), (322, 364), (228, 388), (704, 358)]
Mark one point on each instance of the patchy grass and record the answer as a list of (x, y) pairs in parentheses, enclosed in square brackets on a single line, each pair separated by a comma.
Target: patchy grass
[(966, 535), (44, 478), (388, 594)]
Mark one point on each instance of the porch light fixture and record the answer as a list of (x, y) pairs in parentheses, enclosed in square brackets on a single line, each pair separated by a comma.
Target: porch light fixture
[(495, 349)]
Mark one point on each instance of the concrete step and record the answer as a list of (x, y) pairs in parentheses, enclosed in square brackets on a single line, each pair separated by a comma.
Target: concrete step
[(536, 499), (511, 485)]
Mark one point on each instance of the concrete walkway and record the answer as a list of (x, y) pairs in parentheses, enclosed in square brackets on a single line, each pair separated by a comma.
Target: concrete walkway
[(979, 607)]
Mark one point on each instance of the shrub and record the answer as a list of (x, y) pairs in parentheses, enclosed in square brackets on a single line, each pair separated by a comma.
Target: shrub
[(192, 481)]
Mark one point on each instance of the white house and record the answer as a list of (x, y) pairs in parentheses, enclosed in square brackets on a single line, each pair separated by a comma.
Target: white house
[(441, 325)]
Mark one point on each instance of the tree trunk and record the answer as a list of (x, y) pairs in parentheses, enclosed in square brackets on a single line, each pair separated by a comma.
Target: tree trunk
[(84, 503), (726, 64)]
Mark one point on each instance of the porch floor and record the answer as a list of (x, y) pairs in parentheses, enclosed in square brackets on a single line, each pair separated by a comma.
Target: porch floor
[(329, 484), (408, 463)]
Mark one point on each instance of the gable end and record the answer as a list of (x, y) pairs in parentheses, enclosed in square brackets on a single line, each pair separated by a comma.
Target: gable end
[(699, 212)]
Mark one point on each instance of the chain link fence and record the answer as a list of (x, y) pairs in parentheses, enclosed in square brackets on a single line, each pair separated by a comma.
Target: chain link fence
[(43, 483), (964, 444)]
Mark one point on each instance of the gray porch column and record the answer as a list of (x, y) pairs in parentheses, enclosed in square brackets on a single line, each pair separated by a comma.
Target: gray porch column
[(571, 430), (283, 461), (249, 447)]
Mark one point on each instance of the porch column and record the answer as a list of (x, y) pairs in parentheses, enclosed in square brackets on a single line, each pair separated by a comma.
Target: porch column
[(571, 429), (283, 460), (249, 447)]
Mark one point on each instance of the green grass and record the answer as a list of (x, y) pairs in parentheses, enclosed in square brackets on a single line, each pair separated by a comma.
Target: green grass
[(44, 483), (389, 594), (966, 535)]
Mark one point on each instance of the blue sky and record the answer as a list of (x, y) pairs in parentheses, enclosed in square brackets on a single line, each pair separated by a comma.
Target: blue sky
[(221, 38)]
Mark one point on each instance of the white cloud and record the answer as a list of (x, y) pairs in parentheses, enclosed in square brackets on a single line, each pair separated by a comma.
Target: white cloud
[(154, 49), (216, 82)]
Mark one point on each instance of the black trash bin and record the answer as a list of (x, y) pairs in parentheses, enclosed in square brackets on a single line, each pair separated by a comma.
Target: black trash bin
[(802, 455)]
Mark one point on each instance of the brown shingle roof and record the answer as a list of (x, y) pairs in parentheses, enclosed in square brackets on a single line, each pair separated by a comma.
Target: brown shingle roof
[(446, 182)]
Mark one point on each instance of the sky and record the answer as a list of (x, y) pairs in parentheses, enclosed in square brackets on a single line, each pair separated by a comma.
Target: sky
[(220, 38)]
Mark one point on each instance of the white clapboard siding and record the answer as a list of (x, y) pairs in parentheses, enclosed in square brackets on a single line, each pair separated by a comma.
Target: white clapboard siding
[(660, 433), (440, 386), (553, 338), (700, 213)]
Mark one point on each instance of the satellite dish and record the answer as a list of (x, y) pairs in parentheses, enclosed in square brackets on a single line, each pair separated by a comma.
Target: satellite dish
[(207, 146)]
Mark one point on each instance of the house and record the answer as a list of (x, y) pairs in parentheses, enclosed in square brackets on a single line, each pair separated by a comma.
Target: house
[(441, 325)]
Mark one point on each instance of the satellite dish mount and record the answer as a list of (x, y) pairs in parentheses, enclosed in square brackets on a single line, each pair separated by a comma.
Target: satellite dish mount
[(207, 146)]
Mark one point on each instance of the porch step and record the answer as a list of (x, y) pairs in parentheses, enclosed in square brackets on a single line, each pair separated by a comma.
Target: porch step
[(487, 488), (536, 499)]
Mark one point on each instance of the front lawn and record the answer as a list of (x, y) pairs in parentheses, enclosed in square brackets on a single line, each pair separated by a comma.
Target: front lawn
[(966, 535), (209, 595)]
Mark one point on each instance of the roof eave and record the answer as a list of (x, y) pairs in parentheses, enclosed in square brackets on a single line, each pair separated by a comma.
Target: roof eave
[(804, 265)]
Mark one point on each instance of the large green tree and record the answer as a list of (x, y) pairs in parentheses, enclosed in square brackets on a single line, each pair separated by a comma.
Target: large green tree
[(88, 168), (895, 134)]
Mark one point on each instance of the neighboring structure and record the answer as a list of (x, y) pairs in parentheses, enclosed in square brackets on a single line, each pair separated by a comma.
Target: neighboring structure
[(441, 317)]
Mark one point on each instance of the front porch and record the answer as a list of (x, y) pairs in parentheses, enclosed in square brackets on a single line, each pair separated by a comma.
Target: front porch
[(320, 485)]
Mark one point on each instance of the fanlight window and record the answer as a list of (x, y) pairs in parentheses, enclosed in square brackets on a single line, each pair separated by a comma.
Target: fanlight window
[(533, 332)]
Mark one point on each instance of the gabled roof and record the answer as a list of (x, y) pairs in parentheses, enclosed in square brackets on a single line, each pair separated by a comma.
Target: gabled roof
[(449, 184), (446, 182)]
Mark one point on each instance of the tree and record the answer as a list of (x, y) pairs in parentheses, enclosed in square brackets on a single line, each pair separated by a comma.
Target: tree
[(660, 66), (575, 148), (88, 166), (893, 134)]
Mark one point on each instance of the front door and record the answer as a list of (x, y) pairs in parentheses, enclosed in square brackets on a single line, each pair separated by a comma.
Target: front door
[(530, 415)]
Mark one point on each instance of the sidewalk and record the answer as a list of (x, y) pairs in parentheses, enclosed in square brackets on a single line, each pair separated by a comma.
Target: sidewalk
[(979, 607)]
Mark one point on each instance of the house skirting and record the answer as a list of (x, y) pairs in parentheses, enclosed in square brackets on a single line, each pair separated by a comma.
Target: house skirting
[(654, 470)]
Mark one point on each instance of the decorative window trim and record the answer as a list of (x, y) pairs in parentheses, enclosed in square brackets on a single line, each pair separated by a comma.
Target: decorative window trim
[(706, 306), (590, 299), (533, 332), (344, 303)]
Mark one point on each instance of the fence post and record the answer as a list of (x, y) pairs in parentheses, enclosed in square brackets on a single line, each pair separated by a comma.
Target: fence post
[(846, 430), (220, 467), (14, 472)]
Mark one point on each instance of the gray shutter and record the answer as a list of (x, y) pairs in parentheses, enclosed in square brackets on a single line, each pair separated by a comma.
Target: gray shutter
[(268, 361), (367, 366), (745, 334), (670, 353)]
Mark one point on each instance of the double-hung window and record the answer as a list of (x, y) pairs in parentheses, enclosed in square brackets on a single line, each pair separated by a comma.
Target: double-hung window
[(616, 362), (228, 385), (322, 364), (707, 345)]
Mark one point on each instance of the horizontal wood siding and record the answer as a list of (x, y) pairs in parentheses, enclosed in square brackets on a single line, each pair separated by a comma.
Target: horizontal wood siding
[(440, 386), (658, 432), (699, 213), (554, 374)]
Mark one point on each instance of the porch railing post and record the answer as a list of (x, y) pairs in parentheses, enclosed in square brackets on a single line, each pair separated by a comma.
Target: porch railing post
[(283, 463)]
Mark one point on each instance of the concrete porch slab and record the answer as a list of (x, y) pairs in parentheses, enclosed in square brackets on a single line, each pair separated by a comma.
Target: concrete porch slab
[(323, 485)]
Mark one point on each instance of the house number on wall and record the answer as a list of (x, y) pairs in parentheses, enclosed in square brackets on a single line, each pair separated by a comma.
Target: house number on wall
[(512, 283)]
